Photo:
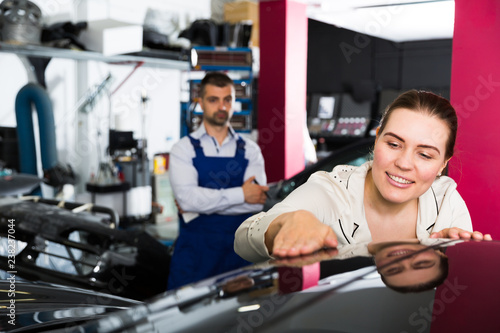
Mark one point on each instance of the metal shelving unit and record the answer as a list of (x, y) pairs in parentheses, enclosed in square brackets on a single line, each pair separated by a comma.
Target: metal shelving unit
[(51, 52)]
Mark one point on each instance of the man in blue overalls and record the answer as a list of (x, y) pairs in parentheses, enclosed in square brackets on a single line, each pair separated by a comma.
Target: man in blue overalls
[(214, 173)]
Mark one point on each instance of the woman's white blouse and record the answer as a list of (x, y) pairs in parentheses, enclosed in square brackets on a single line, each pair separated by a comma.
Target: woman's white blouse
[(336, 199)]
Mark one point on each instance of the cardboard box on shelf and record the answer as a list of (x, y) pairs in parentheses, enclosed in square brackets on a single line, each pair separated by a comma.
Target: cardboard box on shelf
[(111, 37), (244, 10), (254, 39), (241, 11)]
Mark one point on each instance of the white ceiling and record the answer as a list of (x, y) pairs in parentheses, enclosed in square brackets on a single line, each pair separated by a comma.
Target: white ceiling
[(396, 20)]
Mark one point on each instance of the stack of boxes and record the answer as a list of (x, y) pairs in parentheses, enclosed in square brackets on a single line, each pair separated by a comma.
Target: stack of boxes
[(238, 11)]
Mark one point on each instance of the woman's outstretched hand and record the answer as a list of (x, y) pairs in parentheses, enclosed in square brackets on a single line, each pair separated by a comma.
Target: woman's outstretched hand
[(298, 233), (457, 233)]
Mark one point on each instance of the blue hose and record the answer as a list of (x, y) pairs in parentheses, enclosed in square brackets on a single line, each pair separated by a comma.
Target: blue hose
[(34, 94)]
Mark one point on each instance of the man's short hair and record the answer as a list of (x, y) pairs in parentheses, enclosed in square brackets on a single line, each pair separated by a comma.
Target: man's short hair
[(217, 79)]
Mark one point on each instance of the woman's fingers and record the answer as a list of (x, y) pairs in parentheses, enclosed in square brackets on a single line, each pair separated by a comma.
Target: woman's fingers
[(303, 235), (457, 233)]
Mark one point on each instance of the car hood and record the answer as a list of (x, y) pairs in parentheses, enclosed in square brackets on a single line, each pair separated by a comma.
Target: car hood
[(342, 293), (39, 307)]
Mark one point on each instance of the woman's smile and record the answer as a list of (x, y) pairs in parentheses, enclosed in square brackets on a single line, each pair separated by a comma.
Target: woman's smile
[(399, 181), (399, 253)]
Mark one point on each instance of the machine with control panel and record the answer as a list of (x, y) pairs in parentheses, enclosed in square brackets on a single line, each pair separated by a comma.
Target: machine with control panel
[(339, 116)]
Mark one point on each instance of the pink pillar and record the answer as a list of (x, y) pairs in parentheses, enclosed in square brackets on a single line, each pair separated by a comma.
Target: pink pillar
[(282, 86), (475, 93)]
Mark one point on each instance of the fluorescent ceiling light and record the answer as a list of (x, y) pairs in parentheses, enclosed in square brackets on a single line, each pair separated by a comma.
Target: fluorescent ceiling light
[(397, 21)]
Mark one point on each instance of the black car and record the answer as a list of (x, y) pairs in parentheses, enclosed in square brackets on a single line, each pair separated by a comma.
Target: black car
[(351, 289), (355, 153), (79, 245), (28, 306)]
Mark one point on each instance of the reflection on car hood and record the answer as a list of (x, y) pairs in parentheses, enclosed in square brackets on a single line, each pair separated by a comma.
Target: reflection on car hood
[(344, 293), (40, 306)]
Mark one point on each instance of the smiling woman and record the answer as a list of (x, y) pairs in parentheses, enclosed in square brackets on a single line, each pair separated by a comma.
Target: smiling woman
[(400, 194)]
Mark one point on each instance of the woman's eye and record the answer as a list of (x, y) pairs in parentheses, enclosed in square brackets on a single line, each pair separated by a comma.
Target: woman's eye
[(393, 145), (424, 264), (392, 271), (426, 156)]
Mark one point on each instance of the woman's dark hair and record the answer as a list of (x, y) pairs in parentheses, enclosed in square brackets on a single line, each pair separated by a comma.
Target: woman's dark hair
[(428, 103), (217, 79)]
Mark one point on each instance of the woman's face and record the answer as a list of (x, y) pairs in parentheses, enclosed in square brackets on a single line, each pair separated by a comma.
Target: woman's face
[(405, 264), (408, 155)]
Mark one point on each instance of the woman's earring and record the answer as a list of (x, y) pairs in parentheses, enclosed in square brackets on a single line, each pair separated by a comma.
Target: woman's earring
[(439, 174)]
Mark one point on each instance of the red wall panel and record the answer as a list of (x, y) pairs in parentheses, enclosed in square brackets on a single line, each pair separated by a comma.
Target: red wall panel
[(475, 93), (282, 86)]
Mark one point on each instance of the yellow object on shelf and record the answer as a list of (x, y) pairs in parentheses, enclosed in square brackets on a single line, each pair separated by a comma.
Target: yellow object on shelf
[(159, 165)]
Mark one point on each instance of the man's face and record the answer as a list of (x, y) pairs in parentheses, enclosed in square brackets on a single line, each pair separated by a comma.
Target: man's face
[(217, 104)]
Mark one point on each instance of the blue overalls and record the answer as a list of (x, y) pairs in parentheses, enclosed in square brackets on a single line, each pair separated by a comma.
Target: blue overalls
[(204, 247)]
